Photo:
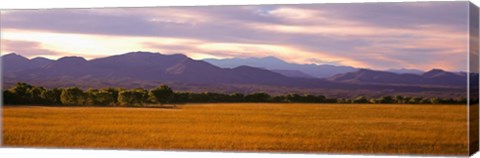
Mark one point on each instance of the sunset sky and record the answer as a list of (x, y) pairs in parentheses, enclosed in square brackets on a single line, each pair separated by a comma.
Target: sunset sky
[(419, 35)]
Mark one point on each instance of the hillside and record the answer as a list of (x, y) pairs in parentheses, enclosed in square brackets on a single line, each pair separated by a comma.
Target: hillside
[(286, 68)]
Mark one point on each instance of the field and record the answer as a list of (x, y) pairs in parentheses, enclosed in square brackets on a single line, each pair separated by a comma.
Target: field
[(318, 128)]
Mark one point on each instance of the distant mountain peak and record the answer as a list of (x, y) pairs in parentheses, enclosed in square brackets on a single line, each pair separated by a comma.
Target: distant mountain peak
[(151, 54), (245, 67), (274, 63), (270, 58), (41, 61), (364, 70), (13, 55), (13, 62), (439, 72), (72, 58), (435, 70), (142, 53), (41, 58), (406, 71), (178, 55)]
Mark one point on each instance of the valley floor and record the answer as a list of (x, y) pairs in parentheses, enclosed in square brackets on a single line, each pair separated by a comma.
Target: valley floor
[(317, 128)]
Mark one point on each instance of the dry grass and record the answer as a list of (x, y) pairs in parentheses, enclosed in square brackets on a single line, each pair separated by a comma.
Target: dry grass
[(380, 129)]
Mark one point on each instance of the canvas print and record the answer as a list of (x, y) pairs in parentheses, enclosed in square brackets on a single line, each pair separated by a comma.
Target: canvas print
[(354, 78)]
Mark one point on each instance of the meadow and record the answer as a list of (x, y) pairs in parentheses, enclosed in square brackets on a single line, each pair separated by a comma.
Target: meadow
[(251, 127)]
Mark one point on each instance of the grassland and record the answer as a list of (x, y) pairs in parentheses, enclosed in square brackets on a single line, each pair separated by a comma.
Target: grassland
[(335, 128)]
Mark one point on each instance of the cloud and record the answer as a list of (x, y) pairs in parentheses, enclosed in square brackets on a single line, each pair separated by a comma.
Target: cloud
[(28, 49), (399, 15), (372, 35)]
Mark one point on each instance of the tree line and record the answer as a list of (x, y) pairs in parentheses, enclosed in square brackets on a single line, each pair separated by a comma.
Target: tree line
[(25, 94)]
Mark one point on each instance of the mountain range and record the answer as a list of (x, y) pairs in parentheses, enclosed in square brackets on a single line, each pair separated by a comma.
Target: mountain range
[(295, 70), (432, 77), (146, 69), (283, 67)]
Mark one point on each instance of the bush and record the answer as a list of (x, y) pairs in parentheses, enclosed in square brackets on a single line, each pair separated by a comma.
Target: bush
[(132, 97), (162, 94), (360, 99), (73, 96)]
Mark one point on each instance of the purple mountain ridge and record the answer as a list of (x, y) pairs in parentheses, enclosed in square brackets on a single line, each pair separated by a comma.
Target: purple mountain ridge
[(14, 62), (432, 77), (146, 69), (283, 67)]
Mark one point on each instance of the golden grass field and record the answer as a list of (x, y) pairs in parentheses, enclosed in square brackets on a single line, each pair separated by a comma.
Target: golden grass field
[(319, 128)]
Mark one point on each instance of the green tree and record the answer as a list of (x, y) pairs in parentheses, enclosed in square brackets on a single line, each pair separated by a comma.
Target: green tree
[(20, 93), (425, 101), (462, 100), (360, 99), (91, 97), (414, 100), (105, 97), (320, 98), (181, 97), (114, 93), (342, 100), (52, 96), (73, 96), (100, 97), (236, 97), (435, 100), (385, 100), (162, 94), (130, 98), (279, 99), (399, 99), (35, 95), (308, 98), (198, 97), (293, 98), (257, 97), (144, 96), (8, 97)]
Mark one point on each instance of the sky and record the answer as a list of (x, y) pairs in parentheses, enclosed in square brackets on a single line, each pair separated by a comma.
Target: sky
[(413, 35)]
